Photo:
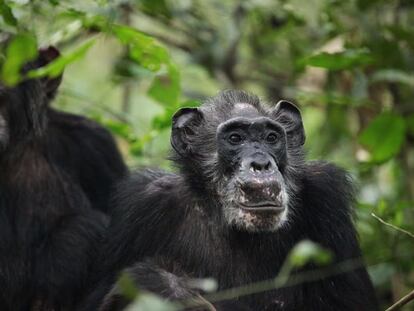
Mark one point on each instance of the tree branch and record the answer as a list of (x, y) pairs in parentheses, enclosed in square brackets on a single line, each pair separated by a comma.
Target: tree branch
[(402, 302), (392, 226)]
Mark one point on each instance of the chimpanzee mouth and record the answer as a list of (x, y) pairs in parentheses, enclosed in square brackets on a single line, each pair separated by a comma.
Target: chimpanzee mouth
[(265, 206)]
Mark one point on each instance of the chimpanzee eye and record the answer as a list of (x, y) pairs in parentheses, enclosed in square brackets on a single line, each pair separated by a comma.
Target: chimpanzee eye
[(271, 138), (235, 139)]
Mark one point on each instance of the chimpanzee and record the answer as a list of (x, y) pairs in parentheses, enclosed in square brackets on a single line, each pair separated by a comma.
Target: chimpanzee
[(86, 150), (54, 168), (243, 197)]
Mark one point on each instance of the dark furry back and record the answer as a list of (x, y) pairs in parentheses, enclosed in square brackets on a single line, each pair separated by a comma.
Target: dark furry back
[(86, 151)]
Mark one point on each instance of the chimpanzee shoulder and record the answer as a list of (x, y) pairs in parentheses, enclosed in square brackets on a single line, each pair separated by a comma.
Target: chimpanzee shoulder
[(324, 209), (79, 127), (145, 201), (328, 186), (88, 152)]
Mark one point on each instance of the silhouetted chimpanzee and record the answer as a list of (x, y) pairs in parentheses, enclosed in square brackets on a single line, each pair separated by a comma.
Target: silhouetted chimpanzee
[(54, 167), (86, 150), (243, 198)]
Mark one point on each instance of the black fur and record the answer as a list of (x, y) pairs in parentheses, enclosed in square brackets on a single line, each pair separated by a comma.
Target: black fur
[(55, 168), (179, 217), (87, 152)]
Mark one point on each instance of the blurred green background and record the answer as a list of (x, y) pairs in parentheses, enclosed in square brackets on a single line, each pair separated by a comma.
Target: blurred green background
[(349, 65)]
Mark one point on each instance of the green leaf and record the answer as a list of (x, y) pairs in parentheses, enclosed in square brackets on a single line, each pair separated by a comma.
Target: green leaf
[(393, 75), (56, 67), (22, 49), (307, 251), (154, 7), (384, 137), (206, 284), (143, 49), (166, 87), (121, 129), (127, 287), (410, 123), (148, 301), (7, 14), (163, 120), (339, 61)]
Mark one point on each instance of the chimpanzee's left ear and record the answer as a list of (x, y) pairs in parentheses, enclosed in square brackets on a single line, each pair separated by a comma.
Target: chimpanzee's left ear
[(289, 116), (46, 56)]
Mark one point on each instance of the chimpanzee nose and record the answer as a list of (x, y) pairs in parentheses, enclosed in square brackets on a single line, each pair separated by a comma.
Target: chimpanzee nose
[(262, 164)]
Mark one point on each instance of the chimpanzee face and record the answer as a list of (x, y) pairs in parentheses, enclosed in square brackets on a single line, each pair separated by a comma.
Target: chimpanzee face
[(248, 149), (252, 154)]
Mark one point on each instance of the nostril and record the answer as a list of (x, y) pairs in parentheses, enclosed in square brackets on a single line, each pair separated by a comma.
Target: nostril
[(257, 166)]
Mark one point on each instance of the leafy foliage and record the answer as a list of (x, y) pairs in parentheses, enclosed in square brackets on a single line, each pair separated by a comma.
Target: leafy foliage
[(339, 61), (22, 48), (131, 64), (384, 136)]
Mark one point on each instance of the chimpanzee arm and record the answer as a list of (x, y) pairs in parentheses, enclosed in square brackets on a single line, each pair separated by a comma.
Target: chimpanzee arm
[(326, 217), (171, 284), (145, 218), (148, 212)]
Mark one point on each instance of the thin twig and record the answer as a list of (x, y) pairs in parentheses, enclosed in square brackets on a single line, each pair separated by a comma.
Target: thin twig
[(392, 226), (280, 282), (402, 302)]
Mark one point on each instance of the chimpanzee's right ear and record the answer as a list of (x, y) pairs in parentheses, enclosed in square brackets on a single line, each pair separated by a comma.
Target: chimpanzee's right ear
[(290, 117), (46, 56), (184, 124)]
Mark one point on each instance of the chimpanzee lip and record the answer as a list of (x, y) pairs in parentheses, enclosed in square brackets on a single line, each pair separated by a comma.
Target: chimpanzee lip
[(266, 206)]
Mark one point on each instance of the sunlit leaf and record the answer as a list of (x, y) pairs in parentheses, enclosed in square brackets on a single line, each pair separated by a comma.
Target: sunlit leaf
[(7, 14), (307, 251), (341, 60), (22, 49), (154, 7), (166, 87), (121, 129), (137, 147), (127, 287), (206, 285), (384, 137), (163, 120), (382, 207), (56, 67), (148, 301), (143, 49)]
